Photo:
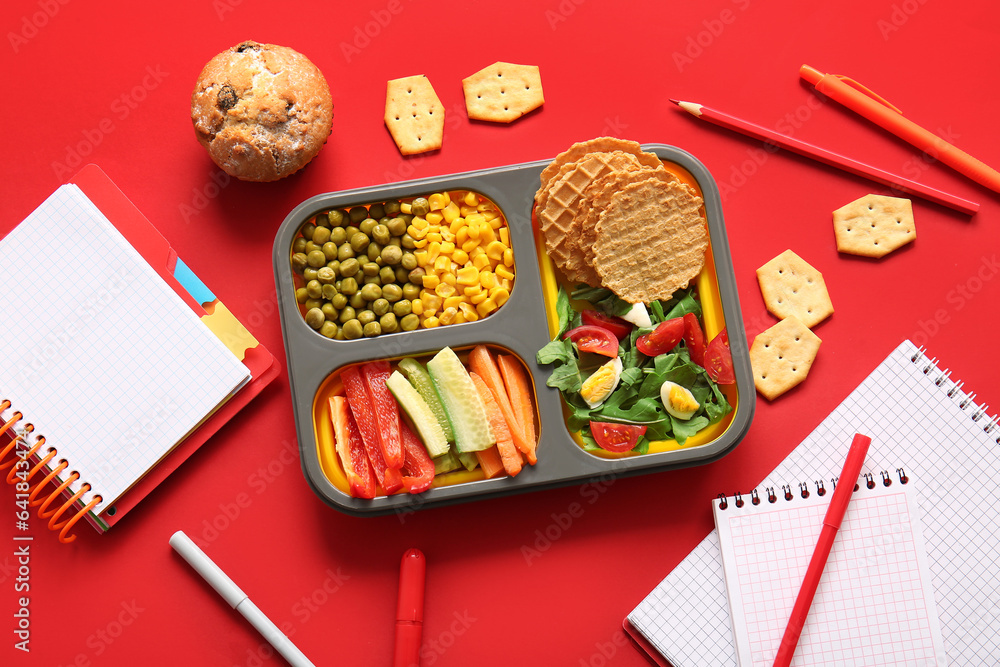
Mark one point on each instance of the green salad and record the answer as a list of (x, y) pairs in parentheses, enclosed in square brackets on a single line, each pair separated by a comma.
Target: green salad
[(632, 374)]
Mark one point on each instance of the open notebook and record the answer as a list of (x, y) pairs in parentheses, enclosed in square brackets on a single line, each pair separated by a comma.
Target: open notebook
[(98, 353), (917, 418)]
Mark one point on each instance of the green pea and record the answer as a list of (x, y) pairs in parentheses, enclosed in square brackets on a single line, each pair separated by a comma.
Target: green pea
[(367, 225), (402, 275), (314, 289), (409, 322), (352, 329), (346, 315), (360, 241), (402, 308), (310, 246), (417, 276), (322, 221), (338, 300), (370, 268), (407, 242), (349, 267), (340, 334), (329, 312), (358, 213), (388, 323), (299, 244), (396, 226), (373, 251), (420, 206), (336, 218), (380, 306), (334, 265), (299, 262), (315, 318), (357, 302), (329, 329), (330, 291), (309, 273), (301, 295), (392, 292), (408, 261), (372, 329), (351, 230), (376, 211), (381, 234), (326, 275), (348, 286), (330, 251), (338, 235), (345, 252), (321, 235), (316, 259), (307, 230), (387, 275), (392, 207), (411, 291), (376, 279), (392, 255), (365, 316), (396, 241), (371, 291)]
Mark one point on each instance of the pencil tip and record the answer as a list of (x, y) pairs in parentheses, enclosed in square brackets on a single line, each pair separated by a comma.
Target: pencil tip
[(674, 101)]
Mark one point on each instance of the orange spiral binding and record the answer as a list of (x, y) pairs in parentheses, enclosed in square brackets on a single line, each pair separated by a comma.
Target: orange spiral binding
[(14, 477)]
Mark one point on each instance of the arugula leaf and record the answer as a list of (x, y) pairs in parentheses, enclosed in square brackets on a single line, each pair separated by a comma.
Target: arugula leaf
[(566, 378), (556, 351), (685, 429), (681, 304), (603, 298), (564, 310)]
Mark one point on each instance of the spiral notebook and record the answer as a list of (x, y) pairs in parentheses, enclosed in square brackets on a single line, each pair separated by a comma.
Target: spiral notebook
[(104, 366), (920, 419), (874, 604)]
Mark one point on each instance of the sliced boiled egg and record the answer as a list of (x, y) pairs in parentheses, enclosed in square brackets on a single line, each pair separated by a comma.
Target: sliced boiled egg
[(678, 400), (596, 389)]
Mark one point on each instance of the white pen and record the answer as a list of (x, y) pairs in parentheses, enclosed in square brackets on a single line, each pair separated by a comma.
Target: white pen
[(237, 599)]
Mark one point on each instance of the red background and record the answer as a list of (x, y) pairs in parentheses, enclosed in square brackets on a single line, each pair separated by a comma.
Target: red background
[(114, 80)]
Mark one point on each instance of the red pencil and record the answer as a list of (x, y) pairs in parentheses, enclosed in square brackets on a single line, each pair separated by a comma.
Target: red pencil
[(830, 158), (831, 524)]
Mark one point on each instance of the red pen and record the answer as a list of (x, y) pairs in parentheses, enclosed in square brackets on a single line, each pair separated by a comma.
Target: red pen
[(831, 524), (410, 609)]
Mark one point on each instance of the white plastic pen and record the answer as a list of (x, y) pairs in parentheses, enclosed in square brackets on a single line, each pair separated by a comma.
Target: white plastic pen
[(237, 599)]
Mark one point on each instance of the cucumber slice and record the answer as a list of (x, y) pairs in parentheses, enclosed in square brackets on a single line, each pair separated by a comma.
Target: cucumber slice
[(469, 460), (421, 381), (416, 408), (448, 462), (461, 401)]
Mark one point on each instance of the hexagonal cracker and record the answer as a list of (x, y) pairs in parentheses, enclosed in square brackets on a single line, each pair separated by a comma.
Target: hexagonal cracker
[(782, 356), (874, 225), (792, 287)]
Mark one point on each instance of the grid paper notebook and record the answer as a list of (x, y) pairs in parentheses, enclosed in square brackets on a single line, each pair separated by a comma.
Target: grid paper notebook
[(106, 361), (874, 604), (918, 418)]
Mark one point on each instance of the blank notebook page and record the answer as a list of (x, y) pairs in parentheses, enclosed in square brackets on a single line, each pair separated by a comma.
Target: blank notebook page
[(97, 351), (874, 604)]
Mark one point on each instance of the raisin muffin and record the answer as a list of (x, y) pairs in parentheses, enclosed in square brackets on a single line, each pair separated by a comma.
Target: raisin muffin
[(263, 111)]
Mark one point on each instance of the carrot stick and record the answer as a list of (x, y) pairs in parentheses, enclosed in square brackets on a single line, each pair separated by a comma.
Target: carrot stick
[(490, 462), (481, 362), (519, 391), (509, 454)]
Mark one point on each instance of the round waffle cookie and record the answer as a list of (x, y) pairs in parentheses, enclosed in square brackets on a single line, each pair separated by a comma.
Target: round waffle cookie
[(651, 240), (559, 220), (594, 200)]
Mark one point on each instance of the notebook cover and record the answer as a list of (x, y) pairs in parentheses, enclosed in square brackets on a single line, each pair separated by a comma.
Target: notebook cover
[(156, 250)]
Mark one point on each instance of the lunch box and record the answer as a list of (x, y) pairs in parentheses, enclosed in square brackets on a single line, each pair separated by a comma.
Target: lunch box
[(521, 326)]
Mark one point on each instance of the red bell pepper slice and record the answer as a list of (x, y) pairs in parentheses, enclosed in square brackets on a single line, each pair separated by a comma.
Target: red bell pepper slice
[(418, 468), (361, 408), (375, 374), (351, 449)]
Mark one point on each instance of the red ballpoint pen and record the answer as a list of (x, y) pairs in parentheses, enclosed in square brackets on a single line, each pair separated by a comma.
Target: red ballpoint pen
[(863, 101), (831, 524), (410, 609)]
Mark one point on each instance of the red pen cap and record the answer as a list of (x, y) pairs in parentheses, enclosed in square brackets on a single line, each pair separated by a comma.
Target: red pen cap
[(412, 569)]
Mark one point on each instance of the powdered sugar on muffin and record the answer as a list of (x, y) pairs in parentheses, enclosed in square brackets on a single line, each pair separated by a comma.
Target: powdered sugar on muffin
[(263, 111)]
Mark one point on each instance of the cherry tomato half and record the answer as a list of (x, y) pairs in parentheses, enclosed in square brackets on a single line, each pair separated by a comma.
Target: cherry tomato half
[(719, 360), (616, 437), (662, 339), (589, 338), (616, 325), (694, 338)]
